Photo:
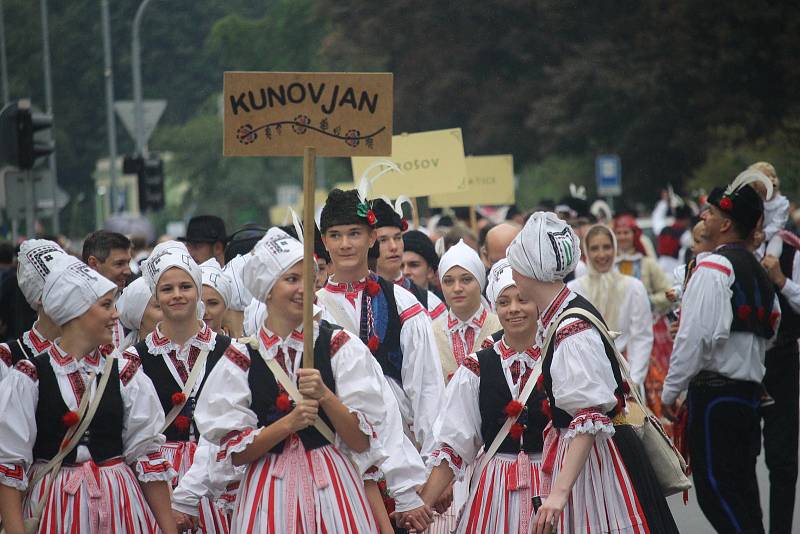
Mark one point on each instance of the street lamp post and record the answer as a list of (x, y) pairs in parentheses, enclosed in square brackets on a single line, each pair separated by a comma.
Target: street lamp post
[(136, 64), (111, 124)]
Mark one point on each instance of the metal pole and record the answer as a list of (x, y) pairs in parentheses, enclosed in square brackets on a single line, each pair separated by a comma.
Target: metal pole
[(136, 64), (3, 60), (30, 206), (48, 102), (111, 123)]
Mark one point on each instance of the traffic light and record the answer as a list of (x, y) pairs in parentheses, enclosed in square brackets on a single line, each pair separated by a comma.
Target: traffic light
[(151, 180), (23, 135)]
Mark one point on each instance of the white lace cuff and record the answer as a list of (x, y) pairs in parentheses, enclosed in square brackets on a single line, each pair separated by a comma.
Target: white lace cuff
[(235, 442), (454, 461), (154, 467), (590, 421), (14, 476)]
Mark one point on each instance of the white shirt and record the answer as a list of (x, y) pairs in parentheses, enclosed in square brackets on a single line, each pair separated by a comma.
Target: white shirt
[(635, 323), (704, 341)]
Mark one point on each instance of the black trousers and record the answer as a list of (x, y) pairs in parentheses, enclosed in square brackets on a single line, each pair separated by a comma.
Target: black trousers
[(724, 442), (782, 381)]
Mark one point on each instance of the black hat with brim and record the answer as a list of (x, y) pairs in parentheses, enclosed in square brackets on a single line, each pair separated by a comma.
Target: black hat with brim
[(205, 229), (743, 205)]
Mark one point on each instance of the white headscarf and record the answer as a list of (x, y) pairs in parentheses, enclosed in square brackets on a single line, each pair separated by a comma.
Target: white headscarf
[(272, 256), (133, 302), (240, 296), (37, 258), (464, 256), (604, 290), (546, 249), (167, 255), (71, 291), (499, 279), (215, 278)]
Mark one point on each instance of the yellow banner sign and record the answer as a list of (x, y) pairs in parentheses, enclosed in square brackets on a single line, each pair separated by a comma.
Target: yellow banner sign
[(489, 182), (281, 113), (432, 162)]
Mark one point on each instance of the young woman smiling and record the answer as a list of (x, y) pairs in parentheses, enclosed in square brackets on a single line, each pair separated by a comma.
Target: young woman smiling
[(295, 480), (96, 489), (621, 299), (479, 399), (217, 294)]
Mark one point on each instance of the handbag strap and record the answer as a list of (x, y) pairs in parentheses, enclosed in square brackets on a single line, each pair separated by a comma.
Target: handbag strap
[(284, 380), (70, 443), (199, 365)]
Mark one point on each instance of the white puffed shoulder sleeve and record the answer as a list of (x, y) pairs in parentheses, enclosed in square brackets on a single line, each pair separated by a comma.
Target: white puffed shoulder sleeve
[(19, 396)]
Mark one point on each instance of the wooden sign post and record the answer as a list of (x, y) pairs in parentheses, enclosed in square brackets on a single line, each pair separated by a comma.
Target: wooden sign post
[(307, 114)]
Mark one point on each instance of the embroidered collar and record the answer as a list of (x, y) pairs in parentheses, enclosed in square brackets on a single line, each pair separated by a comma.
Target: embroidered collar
[(506, 352), (35, 341), (64, 364), (348, 287), (476, 321), (559, 303), (158, 343), (271, 342)]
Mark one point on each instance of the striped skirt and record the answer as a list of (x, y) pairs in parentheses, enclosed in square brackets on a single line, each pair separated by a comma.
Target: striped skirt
[(603, 499), (500, 500), (213, 519), (297, 491), (92, 499)]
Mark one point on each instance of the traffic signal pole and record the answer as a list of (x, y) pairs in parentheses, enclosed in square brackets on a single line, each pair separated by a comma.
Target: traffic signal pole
[(111, 123), (48, 104), (136, 66)]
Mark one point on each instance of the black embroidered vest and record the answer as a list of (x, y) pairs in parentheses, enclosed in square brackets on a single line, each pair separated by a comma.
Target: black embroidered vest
[(389, 354), (104, 435), (753, 293), (264, 389), (493, 397), (789, 329), (562, 419), (155, 367)]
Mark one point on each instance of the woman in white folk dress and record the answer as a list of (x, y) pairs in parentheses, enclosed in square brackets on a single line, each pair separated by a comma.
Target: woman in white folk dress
[(169, 355), (115, 479), (483, 393), (138, 312), (295, 479)]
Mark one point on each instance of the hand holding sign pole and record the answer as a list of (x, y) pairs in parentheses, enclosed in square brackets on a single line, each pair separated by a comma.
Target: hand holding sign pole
[(306, 113)]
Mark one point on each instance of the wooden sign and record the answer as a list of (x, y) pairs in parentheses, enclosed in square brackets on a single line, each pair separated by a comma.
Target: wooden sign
[(432, 162), (489, 182), (280, 113)]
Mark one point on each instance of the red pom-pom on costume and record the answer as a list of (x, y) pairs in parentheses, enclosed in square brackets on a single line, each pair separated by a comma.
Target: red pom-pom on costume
[(373, 344), (761, 313), (546, 409), (773, 318), (403, 224), (539, 383), (70, 419), (371, 218), (513, 408), (373, 288), (743, 312), (178, 398), (726, 204), (516, 431), (182, 423), (283, 402)]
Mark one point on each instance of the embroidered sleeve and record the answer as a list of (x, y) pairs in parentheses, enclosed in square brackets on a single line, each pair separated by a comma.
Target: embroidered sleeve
[(13, 475), (571, 329), (28, 369), (472, 363), (438, 311), (408, 313), (339, 338), (153, 467), (590, 421), (239, 358), (130, 370), (18, 396), (445, 453), (5, 355), (235, 441)]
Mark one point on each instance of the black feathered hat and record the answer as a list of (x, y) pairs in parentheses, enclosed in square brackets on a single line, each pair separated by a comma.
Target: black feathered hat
[(345, 207), (740, 203)]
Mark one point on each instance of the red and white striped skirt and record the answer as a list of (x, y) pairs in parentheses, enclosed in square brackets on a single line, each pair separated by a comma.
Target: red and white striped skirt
[(500, 500), (297, 491), (92, 499), (603, 499), (213, 519)]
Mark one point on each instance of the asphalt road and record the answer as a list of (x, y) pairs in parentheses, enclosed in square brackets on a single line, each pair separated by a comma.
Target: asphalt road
[(691, 520)]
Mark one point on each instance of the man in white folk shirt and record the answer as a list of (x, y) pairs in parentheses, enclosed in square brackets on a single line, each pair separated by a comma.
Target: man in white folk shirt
[(730, 314)]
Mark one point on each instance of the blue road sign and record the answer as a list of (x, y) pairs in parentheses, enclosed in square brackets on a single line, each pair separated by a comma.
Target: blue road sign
[(608, 172)]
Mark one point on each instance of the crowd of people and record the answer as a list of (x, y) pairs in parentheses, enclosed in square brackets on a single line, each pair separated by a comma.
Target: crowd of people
[(464, 379)]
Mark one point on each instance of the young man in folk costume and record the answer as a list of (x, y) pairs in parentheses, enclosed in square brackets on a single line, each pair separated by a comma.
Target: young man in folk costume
[(297, 477), (397, 330), (37, 259), (483, 393), (169, 355), (729, 315), (389, 252), (420, 261), (114, 479), (584, 386)]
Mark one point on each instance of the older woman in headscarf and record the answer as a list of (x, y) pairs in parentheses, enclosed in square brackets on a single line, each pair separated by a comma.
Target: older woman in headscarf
[(621, 299), (138, 312), (468, 322), (178, 355), (585, 390), (115, 479), (303, 458), (484, 392)]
